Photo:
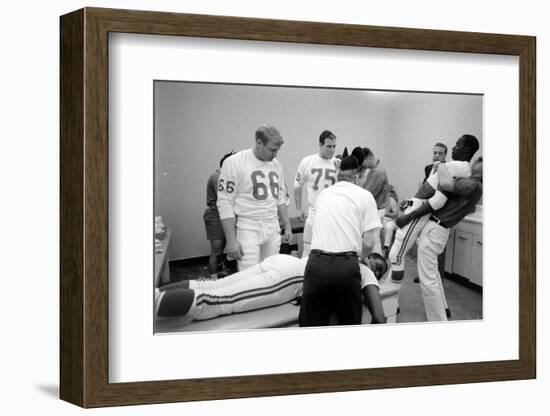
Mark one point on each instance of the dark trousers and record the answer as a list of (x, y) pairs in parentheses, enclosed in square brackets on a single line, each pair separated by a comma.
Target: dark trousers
[(332, 285)]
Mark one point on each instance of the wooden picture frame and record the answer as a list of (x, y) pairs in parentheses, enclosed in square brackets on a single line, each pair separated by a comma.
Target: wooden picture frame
[(84, 207)]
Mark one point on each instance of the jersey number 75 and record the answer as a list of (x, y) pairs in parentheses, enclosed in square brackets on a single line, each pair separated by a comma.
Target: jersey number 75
[(330, 175)]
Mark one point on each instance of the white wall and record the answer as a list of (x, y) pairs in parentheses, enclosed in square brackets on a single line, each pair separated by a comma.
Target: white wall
[(195, 124), (29, 209), (419, 121)]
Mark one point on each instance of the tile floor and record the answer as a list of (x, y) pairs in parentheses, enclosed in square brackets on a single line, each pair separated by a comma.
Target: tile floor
[(464, 302)]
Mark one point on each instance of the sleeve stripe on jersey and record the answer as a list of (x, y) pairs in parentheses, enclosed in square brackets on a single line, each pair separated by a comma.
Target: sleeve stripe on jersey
[(209, 299)]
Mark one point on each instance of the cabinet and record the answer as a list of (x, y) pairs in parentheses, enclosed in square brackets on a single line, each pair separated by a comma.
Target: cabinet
[(465, 251), (476, 265), (449, 252), (462, 255)]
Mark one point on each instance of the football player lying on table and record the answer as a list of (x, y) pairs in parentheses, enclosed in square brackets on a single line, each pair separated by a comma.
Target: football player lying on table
[(276, 280)]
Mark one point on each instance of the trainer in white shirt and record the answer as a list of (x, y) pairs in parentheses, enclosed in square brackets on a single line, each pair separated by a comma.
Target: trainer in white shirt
[(346, 225)]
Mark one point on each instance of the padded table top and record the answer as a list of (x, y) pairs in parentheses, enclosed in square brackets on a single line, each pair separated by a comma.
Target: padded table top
[(274, 317)]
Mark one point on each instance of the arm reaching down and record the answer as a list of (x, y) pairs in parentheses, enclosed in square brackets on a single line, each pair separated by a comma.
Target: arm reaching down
[(299, 182), (371, 296), (233, 247), (298, 201), (283, 215)]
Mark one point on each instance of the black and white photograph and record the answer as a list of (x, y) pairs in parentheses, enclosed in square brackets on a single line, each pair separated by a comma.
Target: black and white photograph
[(297, 206), (275, 208), (125, 124)]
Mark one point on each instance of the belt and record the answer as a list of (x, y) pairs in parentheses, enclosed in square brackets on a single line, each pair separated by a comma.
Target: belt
[(437, 221), (328, 253)]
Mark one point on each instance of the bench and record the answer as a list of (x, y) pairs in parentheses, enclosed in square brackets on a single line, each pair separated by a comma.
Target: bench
[(280, 316)]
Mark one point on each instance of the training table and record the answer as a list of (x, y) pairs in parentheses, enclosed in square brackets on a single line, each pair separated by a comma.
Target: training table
[(281, 316)]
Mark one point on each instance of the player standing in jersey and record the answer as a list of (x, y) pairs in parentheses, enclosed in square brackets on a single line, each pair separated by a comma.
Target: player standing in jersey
[(319, 172), (251, 197), (376, 182), (212, 223), (346, 225)]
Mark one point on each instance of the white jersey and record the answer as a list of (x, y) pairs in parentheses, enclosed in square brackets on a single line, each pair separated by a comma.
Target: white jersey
[(457, 169), (277, 280), (367, 277), (318, 173), (250, 188), (343, 213)]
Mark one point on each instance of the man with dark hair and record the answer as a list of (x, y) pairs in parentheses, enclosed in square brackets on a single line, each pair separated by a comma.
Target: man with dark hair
[(462, 196), (429, 191), (439, 156), (376, 182), (276, 280), (388, 222), (318, 171), (346, 225), (251, 197), (212, 222)]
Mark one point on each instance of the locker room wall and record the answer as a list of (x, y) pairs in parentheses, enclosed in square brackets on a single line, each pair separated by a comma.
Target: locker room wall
[(195, 124), (421, 120)]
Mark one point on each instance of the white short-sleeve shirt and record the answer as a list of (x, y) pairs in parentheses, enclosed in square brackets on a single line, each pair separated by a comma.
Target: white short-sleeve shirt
[(367, 277), (343, 212)]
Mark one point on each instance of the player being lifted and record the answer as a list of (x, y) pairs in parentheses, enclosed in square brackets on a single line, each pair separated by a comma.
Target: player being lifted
[(427, 199), (251, 196), (318, 171)]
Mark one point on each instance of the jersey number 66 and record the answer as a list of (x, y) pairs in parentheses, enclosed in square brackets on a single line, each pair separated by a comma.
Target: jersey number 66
[(260, 190)]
